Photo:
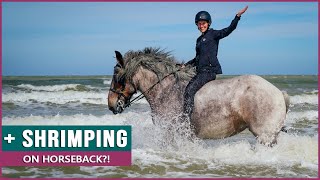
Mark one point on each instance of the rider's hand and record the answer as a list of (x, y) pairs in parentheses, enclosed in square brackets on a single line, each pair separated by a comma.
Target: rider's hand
[(242, 11)]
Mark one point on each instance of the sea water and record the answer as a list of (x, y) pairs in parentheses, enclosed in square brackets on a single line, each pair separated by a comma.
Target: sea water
[(82, 100)]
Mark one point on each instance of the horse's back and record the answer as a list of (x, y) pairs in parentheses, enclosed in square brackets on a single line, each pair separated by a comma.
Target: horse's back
[(227, 106)]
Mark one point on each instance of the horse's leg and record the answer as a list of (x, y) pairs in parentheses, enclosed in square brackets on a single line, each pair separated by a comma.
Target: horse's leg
[(268, 139), (266, 125), (266, 128), (266, 136), (266, 114)]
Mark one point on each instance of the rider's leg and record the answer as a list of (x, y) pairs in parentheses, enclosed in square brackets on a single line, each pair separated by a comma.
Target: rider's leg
[(194, 85)]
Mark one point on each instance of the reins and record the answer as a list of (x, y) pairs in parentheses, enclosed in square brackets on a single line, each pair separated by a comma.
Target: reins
[(142, 94)]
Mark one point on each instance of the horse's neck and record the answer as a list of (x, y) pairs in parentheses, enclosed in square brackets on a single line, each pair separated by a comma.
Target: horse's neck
[(164, 98)]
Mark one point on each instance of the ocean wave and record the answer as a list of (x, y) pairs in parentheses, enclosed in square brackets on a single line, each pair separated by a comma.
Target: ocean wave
[(60, 97), (310, 97), (304, 98), (293, 117), (315, 91), (107, 82), (79, 119), (56, 88)]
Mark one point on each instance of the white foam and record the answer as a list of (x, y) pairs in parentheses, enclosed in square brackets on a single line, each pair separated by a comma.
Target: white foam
[(61, 97), (53, 88), (299, 116), (107, 82), (315, 91), (79, 119), (291, 149), (304, 98)]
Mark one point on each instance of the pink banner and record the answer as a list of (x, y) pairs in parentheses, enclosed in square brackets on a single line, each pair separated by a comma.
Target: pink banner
[(64, 158)]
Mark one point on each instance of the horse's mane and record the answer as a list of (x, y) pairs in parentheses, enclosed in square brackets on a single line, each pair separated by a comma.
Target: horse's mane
[(157, 60)]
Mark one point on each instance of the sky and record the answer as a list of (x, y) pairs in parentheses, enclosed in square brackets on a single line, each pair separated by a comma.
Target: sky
[(79, 38)]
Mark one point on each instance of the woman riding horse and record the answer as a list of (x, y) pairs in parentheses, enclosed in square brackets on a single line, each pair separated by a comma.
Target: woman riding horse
[(237, 103), (206, 61)]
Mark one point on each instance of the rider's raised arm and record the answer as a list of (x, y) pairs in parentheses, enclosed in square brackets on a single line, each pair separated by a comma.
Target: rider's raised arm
[(226, 31)]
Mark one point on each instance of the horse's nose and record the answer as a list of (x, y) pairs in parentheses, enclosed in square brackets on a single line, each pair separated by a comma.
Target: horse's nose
[(113, 110), (120, 106), (119, 109)]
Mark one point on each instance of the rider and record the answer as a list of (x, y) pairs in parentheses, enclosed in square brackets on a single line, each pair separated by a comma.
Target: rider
[(206, 61)]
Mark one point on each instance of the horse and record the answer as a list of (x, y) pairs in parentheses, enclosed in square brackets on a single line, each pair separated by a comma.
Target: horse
[(222, 107)]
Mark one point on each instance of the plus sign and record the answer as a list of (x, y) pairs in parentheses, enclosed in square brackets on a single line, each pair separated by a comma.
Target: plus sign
[(9, 138)]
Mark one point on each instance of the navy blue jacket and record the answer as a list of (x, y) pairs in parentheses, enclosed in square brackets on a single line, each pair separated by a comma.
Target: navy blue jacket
[(207, 48)]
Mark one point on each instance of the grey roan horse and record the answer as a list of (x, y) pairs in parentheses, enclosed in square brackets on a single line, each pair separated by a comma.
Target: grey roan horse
[(222, 107)]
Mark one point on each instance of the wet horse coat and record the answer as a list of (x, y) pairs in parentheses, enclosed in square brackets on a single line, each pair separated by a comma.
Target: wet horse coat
[(222, 108)]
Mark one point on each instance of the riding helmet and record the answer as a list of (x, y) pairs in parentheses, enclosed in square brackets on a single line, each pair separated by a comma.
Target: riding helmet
[(203, 16)]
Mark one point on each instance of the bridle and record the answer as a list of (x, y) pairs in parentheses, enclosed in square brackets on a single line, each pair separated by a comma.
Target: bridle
[(120, 94), (121, 105)]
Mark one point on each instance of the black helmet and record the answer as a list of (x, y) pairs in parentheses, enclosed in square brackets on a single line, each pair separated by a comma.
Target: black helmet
[(203, 16)]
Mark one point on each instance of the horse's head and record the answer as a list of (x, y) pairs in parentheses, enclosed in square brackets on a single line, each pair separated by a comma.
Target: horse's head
[(121, 89)]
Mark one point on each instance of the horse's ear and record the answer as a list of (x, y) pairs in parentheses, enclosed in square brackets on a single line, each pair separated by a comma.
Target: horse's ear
[(119, 58)]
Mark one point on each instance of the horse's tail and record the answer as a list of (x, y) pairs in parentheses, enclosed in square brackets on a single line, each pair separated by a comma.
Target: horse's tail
[(286, 100), (284, 129)]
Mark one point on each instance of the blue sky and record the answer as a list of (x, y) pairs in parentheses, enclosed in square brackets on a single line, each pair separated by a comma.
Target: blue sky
[(80, 38)]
